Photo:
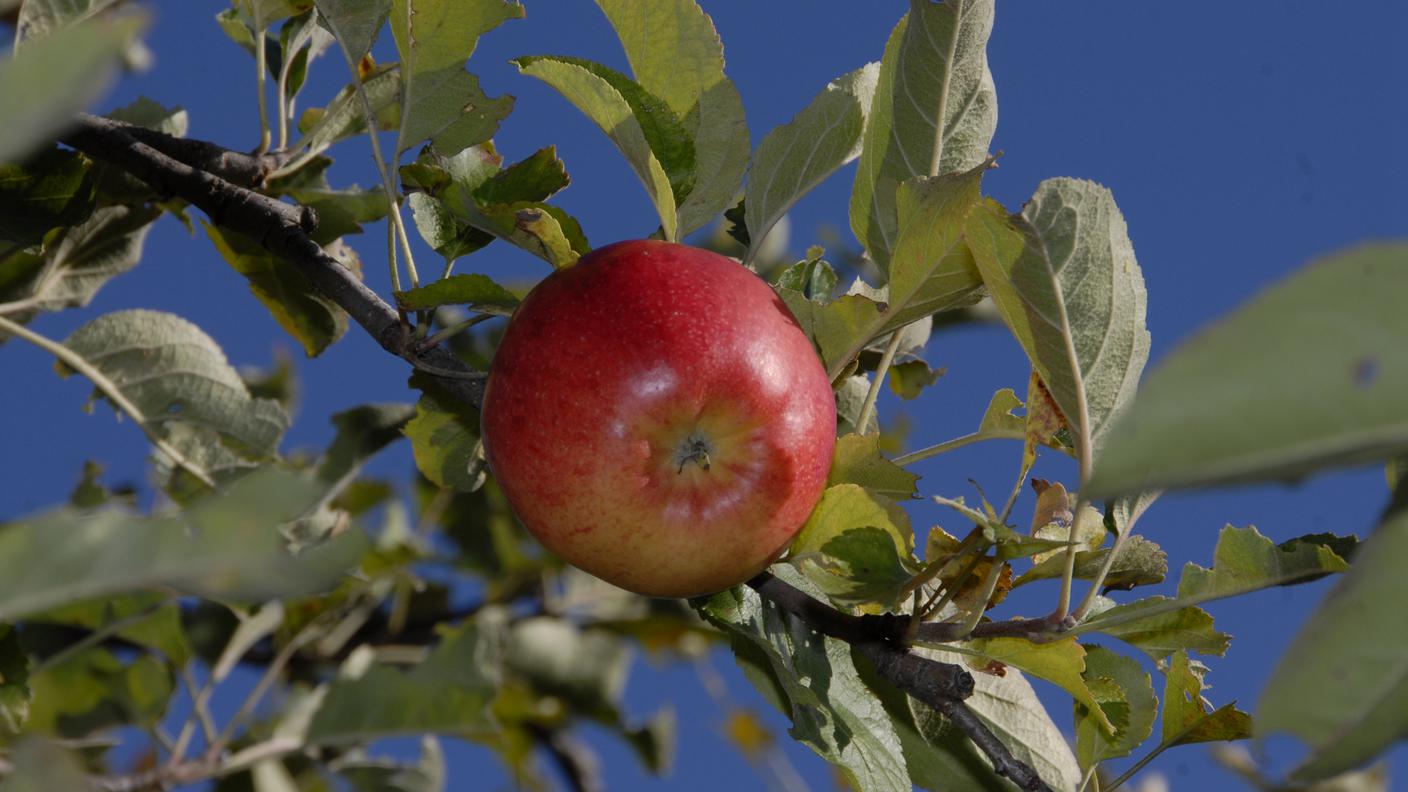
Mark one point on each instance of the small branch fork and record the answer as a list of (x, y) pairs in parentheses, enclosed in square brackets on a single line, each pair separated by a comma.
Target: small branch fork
[(219, 181)]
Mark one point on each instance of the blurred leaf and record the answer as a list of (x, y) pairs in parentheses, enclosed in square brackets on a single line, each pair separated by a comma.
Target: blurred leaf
[(1061, 663), (447, 692), (909, 379), (747, 732), (361, 432), (1125, 694), (586, 669), (278, 383), (857, 460), (440, 101), (14, 682), (52, 188), (1239, 433), (40, 18), (386, 775), (93, 689), (1064, 278), (267, 12), (444, 437), (148, 113), (174, 372), (50, 79), (675, 54), (1188, 717), (1140, 563), (42, 766), (797, 156), (934, 113), (596, 97), (76, 261), (146, 619), (225, 546), (1351, 640), (355, 23), (297, 305)]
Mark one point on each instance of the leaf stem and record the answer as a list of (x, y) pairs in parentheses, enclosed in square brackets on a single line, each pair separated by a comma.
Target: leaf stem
[(109, 388), (1089, 600), (989, 586), (1063, 603), (259, 80), (955, 444), (281, 102), (867, 407), (456, 328)]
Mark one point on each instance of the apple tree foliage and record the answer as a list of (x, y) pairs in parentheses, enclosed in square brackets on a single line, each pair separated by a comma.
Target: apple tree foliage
[(344, 590)]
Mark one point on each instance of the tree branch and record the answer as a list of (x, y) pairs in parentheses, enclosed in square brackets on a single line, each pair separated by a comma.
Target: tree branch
[(281, 228), (942, 686)]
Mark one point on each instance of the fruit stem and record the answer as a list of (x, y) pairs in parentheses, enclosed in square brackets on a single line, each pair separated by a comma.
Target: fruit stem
[(694, 449)]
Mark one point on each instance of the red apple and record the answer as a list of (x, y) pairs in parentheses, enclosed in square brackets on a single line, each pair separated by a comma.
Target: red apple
[(657, 418)]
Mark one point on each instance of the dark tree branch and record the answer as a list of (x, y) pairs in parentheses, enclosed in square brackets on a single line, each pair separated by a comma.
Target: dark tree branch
[(942, 686), (282, 229), (242, 170)]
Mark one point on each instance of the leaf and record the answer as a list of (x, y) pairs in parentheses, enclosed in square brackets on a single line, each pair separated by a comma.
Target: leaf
[(440, 101), (361, 432), (812, 277), (40, 18), (52, 188), (909, 379), (535, 178), (1061, 663), (93, 689), (1188, 717), (999, 419), (1239, 433), (855, 547), (173, 372), (49, 80), (145, 112), (475, 291), (585, 669), (76, 262), (1246, 561), (224, 546), (315, 321), (147, 619), (850, 395), (934, 113), (1159, 626), (531, 226), (14, 682), (676, 54), (814, 681), (355, 23), (340, 212), (797, 156), (43, 766), (857, 460), (448, 692), (1125, 693), (1139, 563), (1063, 276), (613, 114), (1352, 642), (834, 326), (344, 116), (384, 775), (444, 437)]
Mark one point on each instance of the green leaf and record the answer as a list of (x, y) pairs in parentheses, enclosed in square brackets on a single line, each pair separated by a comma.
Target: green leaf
[(1159, 626), (1125, 694), (676, 54), (1188, 717), (444, 437), (355, 23), (814, 681), (297, 305), (386, 775), (535, 227), (855, 547), (440, 101), (51, 79), (340, 212), (857, 460), (909, 379), (812, 277), (1064, 278), (1061, 663), (1227, 371), (596, 97), (475, 291), (148, 113), (1140, 563), (77, 261), (448, 692), (999, 417), (537, 177), (934, 113), (42, 766), (93, 689), (1355, 639), (266, 12), (14, 682), (145, 619), (344, 116), (850, 396), (52, 188), (361, 432), (834, 326), (40, 18), (797, 156), (225, 546)]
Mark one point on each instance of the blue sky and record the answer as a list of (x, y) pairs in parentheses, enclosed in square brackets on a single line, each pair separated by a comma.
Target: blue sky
[(1240, 142)]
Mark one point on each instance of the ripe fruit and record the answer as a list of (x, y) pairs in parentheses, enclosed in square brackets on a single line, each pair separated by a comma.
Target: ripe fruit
[(657, 418)]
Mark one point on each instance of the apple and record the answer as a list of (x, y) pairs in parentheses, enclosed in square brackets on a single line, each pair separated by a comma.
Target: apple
[(656, 417)]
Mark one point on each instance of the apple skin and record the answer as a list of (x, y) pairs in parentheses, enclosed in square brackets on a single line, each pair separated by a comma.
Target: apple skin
[(611, 378)]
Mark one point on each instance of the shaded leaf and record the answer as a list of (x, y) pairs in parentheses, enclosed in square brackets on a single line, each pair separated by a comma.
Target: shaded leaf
[(537, 177), (475, 291), (445, 440), (1125, 693), (447, 692), (355, 23), (812, 277), (94, 689), (909, 379), (52, 188), (147, 619), (1342, 686), (14, 682), (225, 546), (344, 116), (797, 156), (1190, 718), (934, 113), (586, 669), (1266, 347)]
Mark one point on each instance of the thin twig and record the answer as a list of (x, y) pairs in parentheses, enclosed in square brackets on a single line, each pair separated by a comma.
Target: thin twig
[(867, 407), (1089, 601), (100, 381), (1063, 602), (954, 444)]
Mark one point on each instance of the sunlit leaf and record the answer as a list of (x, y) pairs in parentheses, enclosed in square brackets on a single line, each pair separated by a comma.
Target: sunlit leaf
[(444, 437), (1060, 662), (1190, 718), (857, 460)]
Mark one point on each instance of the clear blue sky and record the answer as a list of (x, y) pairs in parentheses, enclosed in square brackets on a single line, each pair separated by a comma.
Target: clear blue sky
[(1240, 142)]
